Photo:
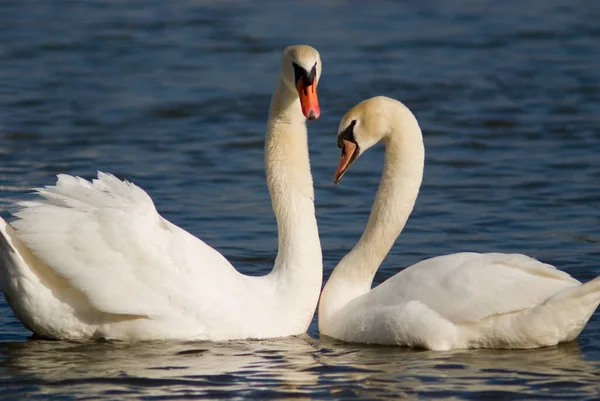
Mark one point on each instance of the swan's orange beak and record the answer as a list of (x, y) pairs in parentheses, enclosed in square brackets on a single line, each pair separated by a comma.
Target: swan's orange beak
[(308, 98), (350, 151)]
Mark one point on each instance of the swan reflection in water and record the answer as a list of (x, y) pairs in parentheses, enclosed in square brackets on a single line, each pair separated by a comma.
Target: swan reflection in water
[(558, 370), (299, 366)]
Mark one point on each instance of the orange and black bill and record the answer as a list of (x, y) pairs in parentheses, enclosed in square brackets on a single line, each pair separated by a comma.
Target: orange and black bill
[(349, 154), (350, 151), (306, 84)]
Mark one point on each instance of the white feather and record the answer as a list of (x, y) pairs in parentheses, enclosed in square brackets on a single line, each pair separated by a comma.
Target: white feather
[(464, 300), (95, 259)]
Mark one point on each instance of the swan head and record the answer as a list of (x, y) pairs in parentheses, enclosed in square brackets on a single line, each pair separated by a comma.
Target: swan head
[(300, 71), (363, 126)]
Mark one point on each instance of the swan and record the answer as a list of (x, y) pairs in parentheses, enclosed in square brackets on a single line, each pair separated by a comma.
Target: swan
[(96, 260), (463, 300)]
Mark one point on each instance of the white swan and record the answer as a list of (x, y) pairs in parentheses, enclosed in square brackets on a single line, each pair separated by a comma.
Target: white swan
[(464, 300), (95, 259)]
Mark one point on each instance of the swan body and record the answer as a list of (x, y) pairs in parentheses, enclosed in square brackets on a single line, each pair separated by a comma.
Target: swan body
[(463, 300), (96, 260)]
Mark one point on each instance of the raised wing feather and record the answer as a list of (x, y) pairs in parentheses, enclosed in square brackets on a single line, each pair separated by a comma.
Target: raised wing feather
[(107, 240)]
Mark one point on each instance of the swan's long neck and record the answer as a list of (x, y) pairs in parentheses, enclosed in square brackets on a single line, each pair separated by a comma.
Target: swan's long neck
[(396, 197), (298, 266)]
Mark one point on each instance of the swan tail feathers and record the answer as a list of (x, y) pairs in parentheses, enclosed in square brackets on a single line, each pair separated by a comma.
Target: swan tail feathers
[(13, 260), (564, 315), (586, 293), (10, 264), (27, 285), (7, 254)]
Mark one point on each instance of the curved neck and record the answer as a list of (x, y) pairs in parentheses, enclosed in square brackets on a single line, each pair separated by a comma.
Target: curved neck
[(395, 199), (298, 266), (286, 109)]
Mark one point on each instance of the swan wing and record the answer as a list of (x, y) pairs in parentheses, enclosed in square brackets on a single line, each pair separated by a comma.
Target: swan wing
[(107, 240), (468, 287)]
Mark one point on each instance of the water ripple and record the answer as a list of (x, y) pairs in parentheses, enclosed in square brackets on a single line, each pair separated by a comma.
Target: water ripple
[(175, 99)]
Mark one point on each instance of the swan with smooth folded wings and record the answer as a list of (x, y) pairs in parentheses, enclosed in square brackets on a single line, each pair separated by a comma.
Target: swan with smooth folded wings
[(463, 300)]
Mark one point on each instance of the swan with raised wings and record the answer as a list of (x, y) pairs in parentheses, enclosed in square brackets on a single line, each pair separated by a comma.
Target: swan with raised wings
[(463, 300), (96, 260)]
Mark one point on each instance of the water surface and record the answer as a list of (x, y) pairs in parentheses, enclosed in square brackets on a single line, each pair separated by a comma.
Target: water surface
[(174, 97)]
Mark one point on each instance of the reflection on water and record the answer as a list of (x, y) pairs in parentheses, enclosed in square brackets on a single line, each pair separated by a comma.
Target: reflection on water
[(474, 374), (297, 366), (174, 97), (154, 368)]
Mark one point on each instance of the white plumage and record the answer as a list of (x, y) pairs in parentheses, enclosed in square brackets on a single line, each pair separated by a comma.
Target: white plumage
[(95, 259), (463, 300)]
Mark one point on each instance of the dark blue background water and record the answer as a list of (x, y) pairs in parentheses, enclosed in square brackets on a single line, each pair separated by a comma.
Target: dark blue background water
[(174, 97)]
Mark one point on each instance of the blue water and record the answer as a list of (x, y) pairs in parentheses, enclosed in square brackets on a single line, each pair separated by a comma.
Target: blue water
[(174, 97)]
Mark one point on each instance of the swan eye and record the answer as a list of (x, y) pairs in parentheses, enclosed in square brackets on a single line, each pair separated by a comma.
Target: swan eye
[(300, 72), (346, 135)]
